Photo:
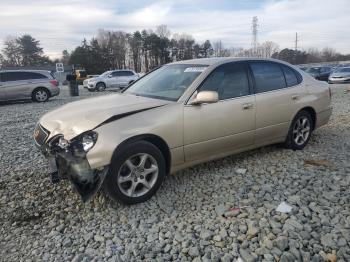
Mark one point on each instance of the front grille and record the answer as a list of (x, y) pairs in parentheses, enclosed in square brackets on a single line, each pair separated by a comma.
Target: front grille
[(40, 135)]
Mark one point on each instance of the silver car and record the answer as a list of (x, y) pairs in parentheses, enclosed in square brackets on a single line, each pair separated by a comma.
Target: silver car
[(340, 75), (37, 85), (111, 79)]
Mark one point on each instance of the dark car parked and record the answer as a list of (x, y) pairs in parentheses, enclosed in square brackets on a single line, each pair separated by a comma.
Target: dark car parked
[(320, 72)]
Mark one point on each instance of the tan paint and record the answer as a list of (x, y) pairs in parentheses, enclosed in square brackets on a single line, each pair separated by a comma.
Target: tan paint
[(194, 133)]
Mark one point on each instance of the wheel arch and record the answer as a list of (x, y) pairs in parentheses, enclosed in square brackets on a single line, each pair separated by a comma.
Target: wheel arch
[(312, 112), (41, 87), (101, 82), (153, 139)]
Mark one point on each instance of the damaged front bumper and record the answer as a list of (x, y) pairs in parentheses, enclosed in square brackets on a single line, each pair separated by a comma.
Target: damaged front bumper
[(70, 163)]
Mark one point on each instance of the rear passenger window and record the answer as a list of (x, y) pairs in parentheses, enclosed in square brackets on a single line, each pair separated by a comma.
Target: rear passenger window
[(229, 80), (268, 76), (126, 73), (11, 76), (18, 76), (32, 75), (291, 78)]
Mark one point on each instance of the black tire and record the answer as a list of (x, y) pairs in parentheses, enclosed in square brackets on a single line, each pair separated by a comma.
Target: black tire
[(293, 133), (40, 95), (118, 163), (100, 86)]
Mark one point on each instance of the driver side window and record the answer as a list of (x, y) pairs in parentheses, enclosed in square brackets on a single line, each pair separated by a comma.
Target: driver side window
[(229, 80)]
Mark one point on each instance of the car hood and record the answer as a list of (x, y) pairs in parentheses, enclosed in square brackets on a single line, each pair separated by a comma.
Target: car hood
[(95, 78), (77, 117)]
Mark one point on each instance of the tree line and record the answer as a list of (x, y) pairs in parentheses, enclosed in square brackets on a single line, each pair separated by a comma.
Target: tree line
[(22, 51), (147, 49), (142, 50)]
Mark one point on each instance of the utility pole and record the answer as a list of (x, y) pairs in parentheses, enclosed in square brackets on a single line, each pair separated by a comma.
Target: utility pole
[(255, 35), (296, 48)]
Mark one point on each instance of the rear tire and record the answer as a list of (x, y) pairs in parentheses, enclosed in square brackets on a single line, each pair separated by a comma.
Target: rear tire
[(136, 172), (300, 131), (40, 95)]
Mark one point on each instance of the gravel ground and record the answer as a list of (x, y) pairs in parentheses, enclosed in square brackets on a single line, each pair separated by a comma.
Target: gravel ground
[(222, 210)]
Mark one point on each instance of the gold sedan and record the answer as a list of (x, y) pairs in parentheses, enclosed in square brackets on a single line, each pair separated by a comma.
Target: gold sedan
[(179, 115)]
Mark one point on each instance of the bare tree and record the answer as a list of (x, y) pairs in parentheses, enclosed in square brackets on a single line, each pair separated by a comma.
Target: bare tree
[(267, 49), (329, 54), (162, 31)]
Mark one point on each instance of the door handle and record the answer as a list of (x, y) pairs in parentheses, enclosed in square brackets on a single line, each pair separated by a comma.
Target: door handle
[(247, 106), (295, 97)]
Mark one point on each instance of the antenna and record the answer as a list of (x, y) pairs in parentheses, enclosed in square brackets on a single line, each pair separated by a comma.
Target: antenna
[(255, 35)]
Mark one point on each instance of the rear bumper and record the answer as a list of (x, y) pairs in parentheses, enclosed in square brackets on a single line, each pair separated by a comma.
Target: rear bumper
[(55, 91), (323, 117)]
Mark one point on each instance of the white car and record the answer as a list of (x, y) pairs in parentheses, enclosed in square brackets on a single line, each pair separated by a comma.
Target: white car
[(111, 79)]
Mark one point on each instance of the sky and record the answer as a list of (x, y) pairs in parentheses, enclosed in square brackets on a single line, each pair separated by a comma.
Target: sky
[(64, 24)]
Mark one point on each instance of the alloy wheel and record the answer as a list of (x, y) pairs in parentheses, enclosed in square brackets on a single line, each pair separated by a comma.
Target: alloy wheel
[(137, 175), (301, 130), (41, 95)]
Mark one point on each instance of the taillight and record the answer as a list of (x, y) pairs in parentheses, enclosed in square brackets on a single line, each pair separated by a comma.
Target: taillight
[(54, 82)]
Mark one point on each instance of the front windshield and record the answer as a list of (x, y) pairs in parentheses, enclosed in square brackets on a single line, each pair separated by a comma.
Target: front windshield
[(105, 73), (343, 70), (168, 82)]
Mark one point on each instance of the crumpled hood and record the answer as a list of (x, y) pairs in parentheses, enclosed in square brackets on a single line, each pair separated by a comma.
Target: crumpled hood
[(77, 117)]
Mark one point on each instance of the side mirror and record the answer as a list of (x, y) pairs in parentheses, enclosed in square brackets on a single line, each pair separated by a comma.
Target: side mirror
[(109, 76), (205, 97)]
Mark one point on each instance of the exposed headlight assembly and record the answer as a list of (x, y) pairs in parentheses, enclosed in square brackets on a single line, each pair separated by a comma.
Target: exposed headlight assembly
[(88, 140), (84, 142)]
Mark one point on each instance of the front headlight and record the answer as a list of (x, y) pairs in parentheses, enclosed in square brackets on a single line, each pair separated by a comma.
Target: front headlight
[(88, 141), (84, 142)]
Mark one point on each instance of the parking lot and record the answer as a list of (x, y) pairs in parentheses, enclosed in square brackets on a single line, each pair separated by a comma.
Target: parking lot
[(223, 209)]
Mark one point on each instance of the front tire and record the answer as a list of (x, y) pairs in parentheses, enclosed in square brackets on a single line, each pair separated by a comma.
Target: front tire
[(40, 95), (299, 131), (136, 173), (100, 87)]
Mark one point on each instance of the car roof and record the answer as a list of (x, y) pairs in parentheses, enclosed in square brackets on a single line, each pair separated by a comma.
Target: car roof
[(25, 70), (221, 60)]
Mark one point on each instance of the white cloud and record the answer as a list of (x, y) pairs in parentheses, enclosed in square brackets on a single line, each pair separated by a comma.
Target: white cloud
[(63, 24)]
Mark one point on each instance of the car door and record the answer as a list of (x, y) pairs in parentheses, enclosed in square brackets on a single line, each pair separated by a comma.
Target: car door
[(278, 94), (111, 79), (324, 73), (2, 89), (213, 130), (20, 84), (124, 78), (15, 85), (130, 76)]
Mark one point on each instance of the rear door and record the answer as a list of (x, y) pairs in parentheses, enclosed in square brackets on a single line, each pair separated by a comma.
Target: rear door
[(14, 85), (124, 77), (278, 94)]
